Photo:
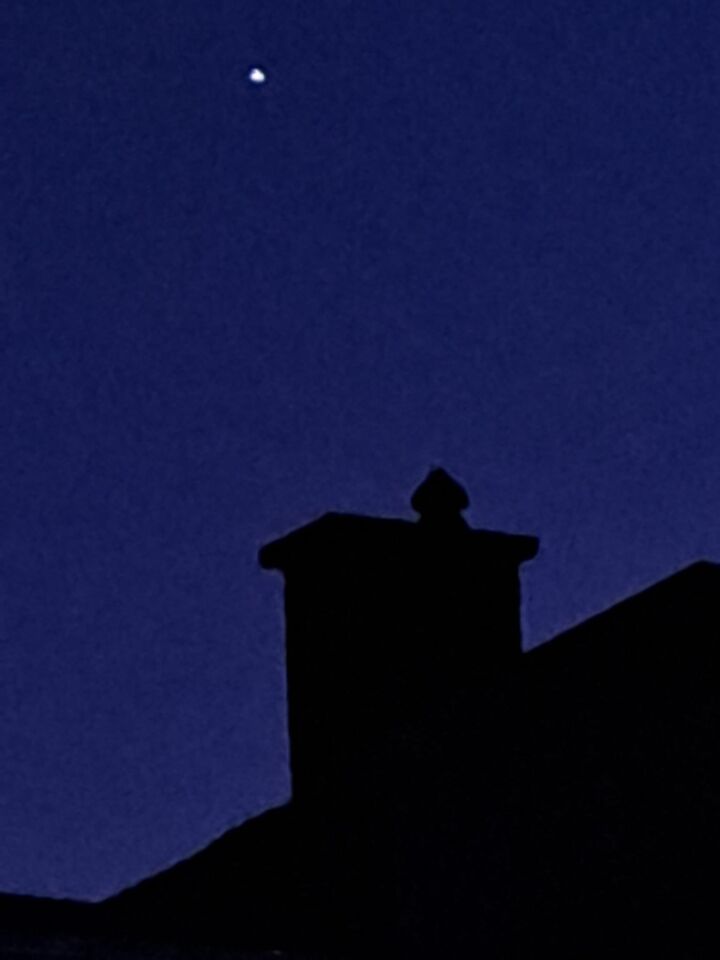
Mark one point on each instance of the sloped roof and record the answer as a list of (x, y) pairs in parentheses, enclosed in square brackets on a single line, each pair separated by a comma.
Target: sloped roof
[(662, 638), (685, 599), (221, 881)]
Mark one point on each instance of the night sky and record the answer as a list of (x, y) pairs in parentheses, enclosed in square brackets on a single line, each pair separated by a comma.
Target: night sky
[(484, 235)]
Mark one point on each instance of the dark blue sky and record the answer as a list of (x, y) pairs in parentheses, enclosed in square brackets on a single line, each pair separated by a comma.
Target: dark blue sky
[(480, 234)]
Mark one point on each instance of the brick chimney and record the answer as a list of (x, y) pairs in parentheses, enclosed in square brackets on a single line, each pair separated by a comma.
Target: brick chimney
[(393, 630)]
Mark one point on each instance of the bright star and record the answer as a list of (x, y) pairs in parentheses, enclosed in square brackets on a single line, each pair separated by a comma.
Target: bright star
[(257, 75)]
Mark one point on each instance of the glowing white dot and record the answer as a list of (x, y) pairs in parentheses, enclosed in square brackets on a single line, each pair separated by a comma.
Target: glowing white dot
[(257, 75)]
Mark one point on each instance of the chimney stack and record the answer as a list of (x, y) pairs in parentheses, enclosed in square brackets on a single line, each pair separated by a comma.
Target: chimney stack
[(393, 631)]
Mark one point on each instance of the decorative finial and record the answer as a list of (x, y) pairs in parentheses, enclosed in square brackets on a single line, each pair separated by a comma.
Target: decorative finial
[(440, 500)]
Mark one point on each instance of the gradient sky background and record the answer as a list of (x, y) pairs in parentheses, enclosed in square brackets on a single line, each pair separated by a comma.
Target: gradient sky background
[(479, 234)]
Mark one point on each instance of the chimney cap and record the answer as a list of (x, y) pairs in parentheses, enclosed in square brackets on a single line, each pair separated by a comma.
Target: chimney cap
[(440, 498)]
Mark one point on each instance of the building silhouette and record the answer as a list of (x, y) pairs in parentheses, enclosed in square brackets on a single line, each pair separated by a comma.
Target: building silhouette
[(451, 795)]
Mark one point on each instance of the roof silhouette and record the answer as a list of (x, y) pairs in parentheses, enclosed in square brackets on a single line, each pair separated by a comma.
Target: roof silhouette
[(451, 793)]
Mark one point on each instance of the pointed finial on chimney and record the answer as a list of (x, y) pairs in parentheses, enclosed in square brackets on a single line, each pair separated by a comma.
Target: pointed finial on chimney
[(440, 500)]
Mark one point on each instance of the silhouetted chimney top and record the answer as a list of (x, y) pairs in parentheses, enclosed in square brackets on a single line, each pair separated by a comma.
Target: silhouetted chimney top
[(440, 500)]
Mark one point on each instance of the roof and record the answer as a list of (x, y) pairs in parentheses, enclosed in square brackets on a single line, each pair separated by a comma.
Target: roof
[(671, 615)]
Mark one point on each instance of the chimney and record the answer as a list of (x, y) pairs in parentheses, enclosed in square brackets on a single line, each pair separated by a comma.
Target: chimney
[(394, 629)]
